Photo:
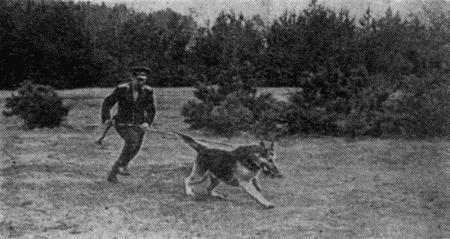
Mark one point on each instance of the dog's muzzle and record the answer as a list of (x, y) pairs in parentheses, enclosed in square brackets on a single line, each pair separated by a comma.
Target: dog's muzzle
[(271, 171)]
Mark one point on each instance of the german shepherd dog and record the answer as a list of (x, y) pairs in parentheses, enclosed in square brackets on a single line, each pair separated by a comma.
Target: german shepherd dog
[(239, 167)]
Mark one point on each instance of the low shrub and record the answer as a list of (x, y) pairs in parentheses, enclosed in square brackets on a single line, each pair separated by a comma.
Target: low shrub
[(419, 107), (38, 105), (262, 115), (270, 117), (412, 107), (324, 100), (226, 108), (230, 116), (196, 114)]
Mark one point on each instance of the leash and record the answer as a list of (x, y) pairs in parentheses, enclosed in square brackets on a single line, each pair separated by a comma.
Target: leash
[(173, 134)]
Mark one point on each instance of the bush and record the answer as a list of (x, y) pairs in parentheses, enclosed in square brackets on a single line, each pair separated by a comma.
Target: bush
[(371, 106), (196, 114), (233, 106), (419, 108), (227, 117), (230, 116), (38, 105), (262, 115), (223, 108), (308, 119), (324, 100), (270, 116)]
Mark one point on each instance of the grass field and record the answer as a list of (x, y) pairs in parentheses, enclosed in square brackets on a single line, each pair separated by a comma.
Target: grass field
[(53, 184)]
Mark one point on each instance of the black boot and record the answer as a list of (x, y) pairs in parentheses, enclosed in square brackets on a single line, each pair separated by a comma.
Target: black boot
[(112, 176)]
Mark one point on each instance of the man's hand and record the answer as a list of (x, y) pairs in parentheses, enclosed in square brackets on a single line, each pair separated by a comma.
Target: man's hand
[(107, 122), (145, 126)]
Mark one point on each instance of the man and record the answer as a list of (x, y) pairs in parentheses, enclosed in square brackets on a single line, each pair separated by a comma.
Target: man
[(136, 112)]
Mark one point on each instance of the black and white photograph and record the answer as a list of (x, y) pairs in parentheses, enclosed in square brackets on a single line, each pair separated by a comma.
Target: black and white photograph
[(246, 119)]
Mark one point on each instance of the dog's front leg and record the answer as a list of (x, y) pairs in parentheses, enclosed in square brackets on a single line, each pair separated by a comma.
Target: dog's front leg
[(197, 176), (256, 184), (250, 188)]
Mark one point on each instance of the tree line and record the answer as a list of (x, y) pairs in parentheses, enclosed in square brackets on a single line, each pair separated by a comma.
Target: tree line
[(69, 45)]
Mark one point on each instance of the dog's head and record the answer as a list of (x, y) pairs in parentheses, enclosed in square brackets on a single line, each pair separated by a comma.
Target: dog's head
[(266, 157)]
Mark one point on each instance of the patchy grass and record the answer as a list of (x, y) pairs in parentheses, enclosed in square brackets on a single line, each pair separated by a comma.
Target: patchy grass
[(53, 184)]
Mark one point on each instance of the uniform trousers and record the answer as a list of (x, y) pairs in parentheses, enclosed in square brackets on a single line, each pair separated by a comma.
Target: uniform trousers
[(133, 136)]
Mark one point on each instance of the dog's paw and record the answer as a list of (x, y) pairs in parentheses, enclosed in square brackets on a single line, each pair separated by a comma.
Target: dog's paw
[(190, 194)]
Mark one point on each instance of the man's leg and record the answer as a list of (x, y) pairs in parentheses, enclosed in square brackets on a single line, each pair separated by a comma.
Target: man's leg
[(133, 137), (136, 137)]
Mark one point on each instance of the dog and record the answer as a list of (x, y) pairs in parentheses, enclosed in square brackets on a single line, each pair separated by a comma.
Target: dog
[(239, 167)]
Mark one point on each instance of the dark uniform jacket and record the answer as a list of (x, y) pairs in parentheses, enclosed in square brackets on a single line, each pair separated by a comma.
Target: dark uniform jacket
[(130, 111)]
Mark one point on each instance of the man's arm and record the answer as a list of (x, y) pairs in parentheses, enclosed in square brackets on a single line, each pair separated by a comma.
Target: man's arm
[(150, 110), (108, 103)]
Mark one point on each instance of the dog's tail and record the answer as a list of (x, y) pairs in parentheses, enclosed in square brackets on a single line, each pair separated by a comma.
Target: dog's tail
[(190, 141)]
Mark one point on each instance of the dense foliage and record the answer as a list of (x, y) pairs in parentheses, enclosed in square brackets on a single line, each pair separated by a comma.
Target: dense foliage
[(67, 44), (232, 105), (38, 105), (386, 76), (70, 45), (367, 76)]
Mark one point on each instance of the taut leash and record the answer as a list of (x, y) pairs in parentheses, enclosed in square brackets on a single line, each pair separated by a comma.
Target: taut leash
[(174, 134)]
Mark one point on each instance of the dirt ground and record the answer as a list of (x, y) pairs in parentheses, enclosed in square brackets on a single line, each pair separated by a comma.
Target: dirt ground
[(53, 184)]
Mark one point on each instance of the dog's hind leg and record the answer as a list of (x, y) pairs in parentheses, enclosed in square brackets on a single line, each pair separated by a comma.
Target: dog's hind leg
[(197, 176), (214, 183), (254, 193)]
